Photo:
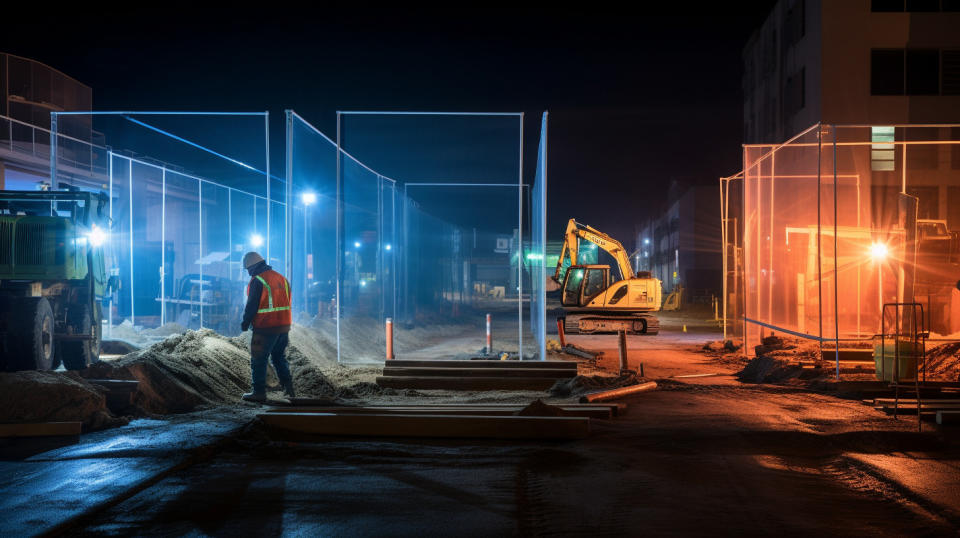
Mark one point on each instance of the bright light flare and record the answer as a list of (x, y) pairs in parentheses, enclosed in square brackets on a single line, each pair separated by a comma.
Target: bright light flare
[(308, 198), (387, 247), (97, 236), (879, 251), (356, 244), (256, 240)]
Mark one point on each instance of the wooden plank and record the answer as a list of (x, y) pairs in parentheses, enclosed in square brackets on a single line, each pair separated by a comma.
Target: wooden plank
[(596, 412), (467, 383), (40, 429), (619, 393), (450, 426), (914, 400), (557, 373), (400, 363), (948, 417), (848, 355)]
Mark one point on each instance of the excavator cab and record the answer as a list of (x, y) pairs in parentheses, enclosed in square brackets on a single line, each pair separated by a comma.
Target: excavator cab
[(582, 283)]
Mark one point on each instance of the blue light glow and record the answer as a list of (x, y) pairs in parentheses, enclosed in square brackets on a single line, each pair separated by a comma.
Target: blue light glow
[(97, 236), (387, 247), (308, 198), (256, 240), (356, 244)]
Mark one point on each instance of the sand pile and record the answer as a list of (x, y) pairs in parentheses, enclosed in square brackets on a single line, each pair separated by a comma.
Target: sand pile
[(202, 367), (54, 397), (943, 362), (140, 337)]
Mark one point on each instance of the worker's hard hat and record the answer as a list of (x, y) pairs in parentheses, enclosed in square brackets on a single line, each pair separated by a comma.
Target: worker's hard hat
[(250, 259)]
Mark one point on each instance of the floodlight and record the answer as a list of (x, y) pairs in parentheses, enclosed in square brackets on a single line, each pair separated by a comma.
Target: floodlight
[(387, 247), (646, 241), (97, 236), (256, 240), (879, 251), (308, 198), (363, 283), (356, 244)]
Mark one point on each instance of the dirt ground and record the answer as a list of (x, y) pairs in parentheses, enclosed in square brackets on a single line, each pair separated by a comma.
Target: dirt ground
[(703, 454)]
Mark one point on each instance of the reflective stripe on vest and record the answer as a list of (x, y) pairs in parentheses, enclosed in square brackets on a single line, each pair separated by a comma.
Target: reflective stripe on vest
[(270, 307)]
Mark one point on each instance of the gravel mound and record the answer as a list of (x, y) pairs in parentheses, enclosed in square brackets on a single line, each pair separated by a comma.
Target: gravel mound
[(54, 397), (204, 368)]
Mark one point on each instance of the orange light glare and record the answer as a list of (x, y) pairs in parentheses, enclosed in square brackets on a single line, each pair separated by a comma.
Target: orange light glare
[(878, 251)]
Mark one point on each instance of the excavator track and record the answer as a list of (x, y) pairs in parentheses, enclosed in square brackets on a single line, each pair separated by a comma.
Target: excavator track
[(608, 323)]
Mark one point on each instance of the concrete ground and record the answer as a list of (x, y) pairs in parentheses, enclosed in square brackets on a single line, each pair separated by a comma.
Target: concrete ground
[(700, 455)]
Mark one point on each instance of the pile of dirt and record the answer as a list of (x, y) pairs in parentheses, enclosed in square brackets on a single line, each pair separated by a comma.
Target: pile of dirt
[(768, 369), (139, 336), (54, 397), (582, 384), (197, 368), (943, 362)]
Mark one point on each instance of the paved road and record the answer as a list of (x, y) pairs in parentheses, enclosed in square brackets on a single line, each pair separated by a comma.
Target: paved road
[(687, 459)]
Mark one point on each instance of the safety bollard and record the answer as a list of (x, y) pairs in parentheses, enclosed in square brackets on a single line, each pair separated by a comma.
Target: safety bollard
[(622, 344), (389, 339), (489, 337), (560, 333)]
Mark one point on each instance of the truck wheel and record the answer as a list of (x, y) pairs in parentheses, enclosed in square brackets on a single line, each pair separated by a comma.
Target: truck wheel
[(30, 342), (78, 354)]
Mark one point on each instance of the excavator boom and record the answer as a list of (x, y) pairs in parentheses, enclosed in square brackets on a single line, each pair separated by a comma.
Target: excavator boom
[(571, 244)]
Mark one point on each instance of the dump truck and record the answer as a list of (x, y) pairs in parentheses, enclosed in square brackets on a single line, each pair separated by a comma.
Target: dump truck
[(594, 300), (53, 278)]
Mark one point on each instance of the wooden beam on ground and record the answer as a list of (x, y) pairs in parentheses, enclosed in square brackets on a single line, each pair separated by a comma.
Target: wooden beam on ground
[(618, 393), (948, 417), (557, 373), (40, 429), (467, 383), (450, 426), (549, 365), (591, 412)]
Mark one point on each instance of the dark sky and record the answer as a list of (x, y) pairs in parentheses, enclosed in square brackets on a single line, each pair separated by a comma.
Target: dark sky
[(635, 100)]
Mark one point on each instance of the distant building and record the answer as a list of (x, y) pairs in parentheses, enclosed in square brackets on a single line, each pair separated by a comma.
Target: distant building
[(29, 91), (868, 62), (681, 246)]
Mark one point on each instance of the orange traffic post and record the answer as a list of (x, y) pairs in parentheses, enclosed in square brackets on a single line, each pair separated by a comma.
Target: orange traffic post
[(389, 339), (489, 337), (560, 333)]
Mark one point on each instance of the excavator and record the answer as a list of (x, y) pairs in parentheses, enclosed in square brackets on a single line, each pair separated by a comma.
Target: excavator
[(595, 302)]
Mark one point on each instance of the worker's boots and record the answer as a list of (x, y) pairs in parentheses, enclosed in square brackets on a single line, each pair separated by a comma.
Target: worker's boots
[(255, 397), (289, 390)]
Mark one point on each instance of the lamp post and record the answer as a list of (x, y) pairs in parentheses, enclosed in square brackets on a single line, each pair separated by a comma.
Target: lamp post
[(308, 198), (879, 252)]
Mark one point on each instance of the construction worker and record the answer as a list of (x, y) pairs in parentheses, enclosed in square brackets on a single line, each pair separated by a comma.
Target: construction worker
[(268, 312)]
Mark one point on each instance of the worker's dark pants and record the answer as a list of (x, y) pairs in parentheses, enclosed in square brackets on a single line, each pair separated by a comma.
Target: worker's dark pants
[(264, 345)]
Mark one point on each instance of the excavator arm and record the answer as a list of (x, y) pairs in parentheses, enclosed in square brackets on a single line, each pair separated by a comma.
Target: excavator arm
[(575, 232)]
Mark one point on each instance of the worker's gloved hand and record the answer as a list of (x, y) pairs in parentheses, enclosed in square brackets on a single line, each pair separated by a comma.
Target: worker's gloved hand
[(244, 326)]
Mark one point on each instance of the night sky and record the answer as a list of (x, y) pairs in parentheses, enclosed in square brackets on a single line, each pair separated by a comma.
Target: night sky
[(635, 101)]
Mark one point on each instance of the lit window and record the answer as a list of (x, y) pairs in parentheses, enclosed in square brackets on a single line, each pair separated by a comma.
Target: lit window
[(882, 155)]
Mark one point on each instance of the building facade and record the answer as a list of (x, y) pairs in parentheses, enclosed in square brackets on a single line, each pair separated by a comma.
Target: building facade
[(682, 245), (29, 92), (867, 62)]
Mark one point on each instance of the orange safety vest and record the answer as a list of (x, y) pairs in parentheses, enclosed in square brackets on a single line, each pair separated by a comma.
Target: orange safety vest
[(274, 309)]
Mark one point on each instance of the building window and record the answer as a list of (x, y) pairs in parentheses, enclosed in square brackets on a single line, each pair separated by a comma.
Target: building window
[(911, 72), (923, 5), (950, 62), (923, 72), (882, 152), (886, 5), (879, 6), (886, 72)]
